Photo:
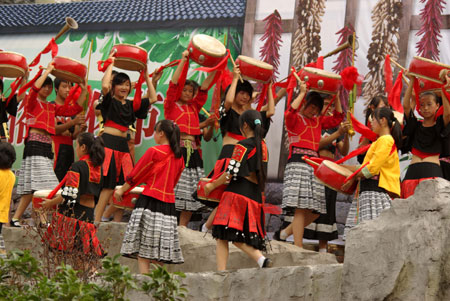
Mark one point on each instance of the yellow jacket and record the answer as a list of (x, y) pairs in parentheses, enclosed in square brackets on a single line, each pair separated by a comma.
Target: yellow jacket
[(383, 161), (7, 180)]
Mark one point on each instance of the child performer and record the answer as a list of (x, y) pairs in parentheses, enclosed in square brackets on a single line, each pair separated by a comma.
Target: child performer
[(237, 100), (36, 172), (9, 107), (152, 233), (380, 179), (72, 226), (118, 113), (7, 180), (303, 195), (240, 215), (184, 112), (333, 140), (424, 138), (66, 129)]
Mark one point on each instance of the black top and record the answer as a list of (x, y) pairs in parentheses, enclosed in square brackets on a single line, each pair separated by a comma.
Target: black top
[(243, 161), (122, 114), (425, 139), (229, 121), (11, 109)]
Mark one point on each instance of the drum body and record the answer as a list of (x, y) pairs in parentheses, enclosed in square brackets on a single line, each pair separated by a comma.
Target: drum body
[(69, 69), (12, 64), (213, 196), (253, 69), (320, 80), (39, 196), (206, 51), (427, 69), (130, 57), (129, 199), (333, 176)]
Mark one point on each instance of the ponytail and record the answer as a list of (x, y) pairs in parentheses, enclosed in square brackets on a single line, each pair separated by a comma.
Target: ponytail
[(95, 147), (375, 102), (253, 119), (172, 132), (392, 122)]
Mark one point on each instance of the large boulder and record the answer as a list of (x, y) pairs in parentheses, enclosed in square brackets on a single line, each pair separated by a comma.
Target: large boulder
[(404, 253)]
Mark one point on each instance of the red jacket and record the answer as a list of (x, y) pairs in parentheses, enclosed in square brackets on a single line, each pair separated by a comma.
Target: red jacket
[(306, 132), (41, 114), (159, 170), (185, 116)]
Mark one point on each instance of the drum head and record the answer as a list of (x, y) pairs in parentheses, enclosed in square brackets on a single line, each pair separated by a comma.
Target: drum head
[(128, 64), (337, 168), (209, 45), (11, 71), (41, 193), (321, 72), (67, 76), (255, 62), (137, 190)]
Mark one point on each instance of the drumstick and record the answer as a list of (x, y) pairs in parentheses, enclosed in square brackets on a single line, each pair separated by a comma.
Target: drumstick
[(234, 65), (398, 65), (206, 112)]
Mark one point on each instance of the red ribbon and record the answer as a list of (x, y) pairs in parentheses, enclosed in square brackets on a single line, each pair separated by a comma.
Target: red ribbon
[(416, 88), (317, 64), (58, 187), (394, 98), (14, 86), (171, 64), (388, 74), (182, 78), (350, 77), (51, 46), (74, 94), (356, 172), (362, 129), (103, 65), (138, 94), (354, 153), (219, 68), (31, 82)]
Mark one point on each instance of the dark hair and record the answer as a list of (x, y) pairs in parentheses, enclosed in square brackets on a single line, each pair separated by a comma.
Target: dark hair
[(375, 102), (392, 122), (193, 84), (95, 147), (119, 79), (1, 85), (58, 81), (48, 82), (172, 132), (7, 155), (245, 86), (114, 73), (436, 98), (314, 98), (249, 117)]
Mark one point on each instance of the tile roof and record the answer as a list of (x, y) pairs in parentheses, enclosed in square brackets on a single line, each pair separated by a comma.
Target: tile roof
[(95, 15)]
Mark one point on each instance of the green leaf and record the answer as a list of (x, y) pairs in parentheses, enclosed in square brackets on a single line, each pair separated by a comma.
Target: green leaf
[(76, 36), (161, 52), (85, 46), (184, 40)]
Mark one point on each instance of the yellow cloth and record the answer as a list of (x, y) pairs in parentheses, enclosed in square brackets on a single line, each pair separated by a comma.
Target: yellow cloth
[(385, 163), (7, 179)]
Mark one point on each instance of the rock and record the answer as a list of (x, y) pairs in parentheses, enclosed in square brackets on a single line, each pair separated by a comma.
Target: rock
[(319, 283), (342, 209), (404, 253)]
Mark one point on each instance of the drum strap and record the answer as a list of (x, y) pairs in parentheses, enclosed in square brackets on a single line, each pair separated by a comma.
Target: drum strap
[(219, 68)]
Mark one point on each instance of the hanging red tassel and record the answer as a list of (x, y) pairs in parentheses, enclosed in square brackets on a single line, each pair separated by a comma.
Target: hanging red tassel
[(362, 129), (317, 64), (388, 74), (14, 86), (51, 46), (74, 94), (138, 94), (394, 97), (103, 65), (31, 82), (350, 77)]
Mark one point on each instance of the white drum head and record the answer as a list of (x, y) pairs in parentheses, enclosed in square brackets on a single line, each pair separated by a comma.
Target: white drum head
[(209, 45), (255, 62), (322, 72), (337, 168)]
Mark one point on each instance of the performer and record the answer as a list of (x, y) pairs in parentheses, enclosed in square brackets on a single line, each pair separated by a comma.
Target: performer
[(118, 113), (375, 103), (237, 100), (240, 214), (380, 179), (66, 129), (72, 226), (152, 233), (424, 138), (303, 195), (324, 227), (7, 180), (184, 112), (9, 107), (36, 171)]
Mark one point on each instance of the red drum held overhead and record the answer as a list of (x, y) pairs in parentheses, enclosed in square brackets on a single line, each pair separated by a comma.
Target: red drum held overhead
[(12, 64), (428, 69), (333, 176), (69, 69), (206, 50), (320, 80), (40, 195), (213, 196), (253, 69), (128, 200), (130, 57)]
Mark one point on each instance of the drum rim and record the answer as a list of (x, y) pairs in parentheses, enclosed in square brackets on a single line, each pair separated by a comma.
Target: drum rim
[(71, 59), (48, 192), (266, 67), (327, 162), (328, 74), (64, 72), (207, 52), (128, 59), (420, 58), (335, 189), (131, 191), (135, 46), (13, 52), (23, 70), (426, 77), (323, 91)]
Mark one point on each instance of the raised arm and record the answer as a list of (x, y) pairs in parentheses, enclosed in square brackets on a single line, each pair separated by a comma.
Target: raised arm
[(270, 106), (280, 95), (231, 94), (207, 81), (445, 101), (177, 73), (40, 81), (84, 92), (408, 97), (298, 100), (106, 80), (151, 92), (337, 104)]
